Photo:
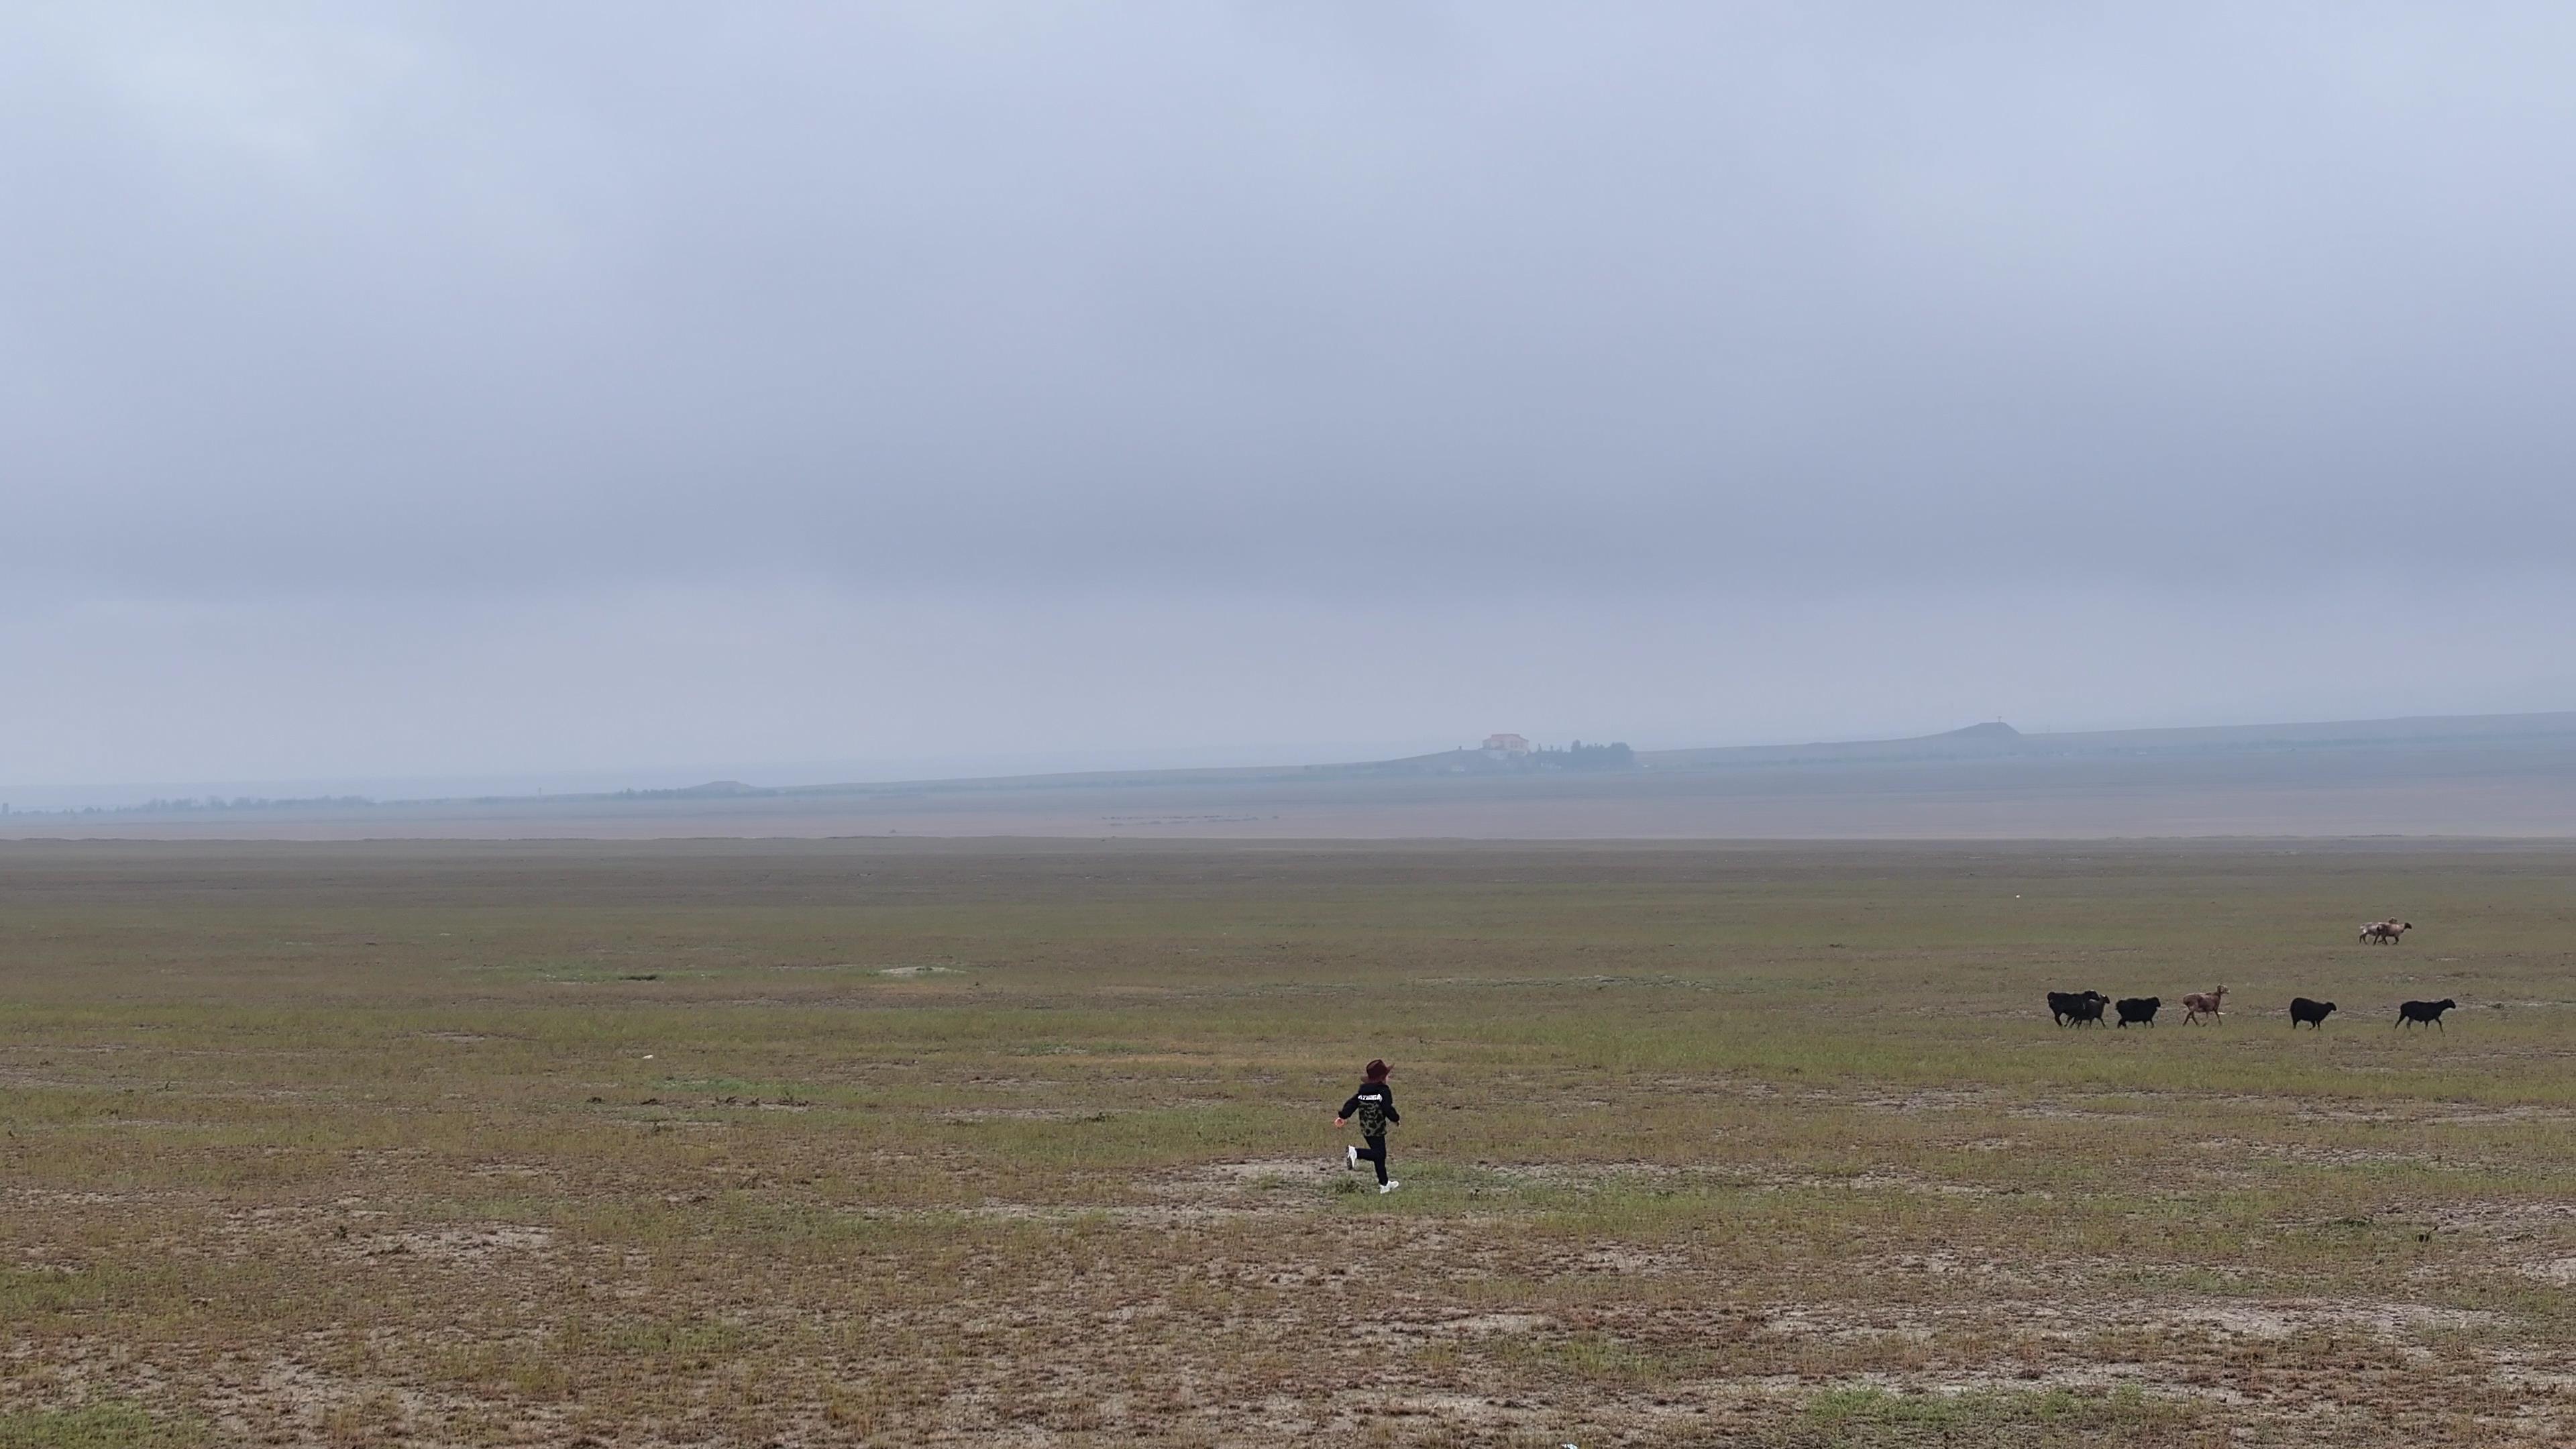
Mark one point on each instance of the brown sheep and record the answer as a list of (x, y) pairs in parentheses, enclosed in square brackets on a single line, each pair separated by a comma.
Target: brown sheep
[(2197, 1004)]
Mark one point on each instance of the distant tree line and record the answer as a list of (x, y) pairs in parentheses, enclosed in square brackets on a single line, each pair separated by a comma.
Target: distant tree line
[(713, 789), (1580, 756), (188, 803)]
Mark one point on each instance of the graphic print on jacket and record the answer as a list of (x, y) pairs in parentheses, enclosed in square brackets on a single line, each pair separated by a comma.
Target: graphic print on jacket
[(1373, 1106)]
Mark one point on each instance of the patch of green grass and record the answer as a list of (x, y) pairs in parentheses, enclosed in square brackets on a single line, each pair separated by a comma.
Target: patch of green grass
[(25, 1292), (1606, 1357), (107, 1424)]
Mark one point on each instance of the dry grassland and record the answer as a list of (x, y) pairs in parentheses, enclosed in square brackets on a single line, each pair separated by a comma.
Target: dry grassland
[(735, 1143)]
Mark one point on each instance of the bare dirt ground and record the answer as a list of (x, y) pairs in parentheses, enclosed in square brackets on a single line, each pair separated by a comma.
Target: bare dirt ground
[(1027, 1143)]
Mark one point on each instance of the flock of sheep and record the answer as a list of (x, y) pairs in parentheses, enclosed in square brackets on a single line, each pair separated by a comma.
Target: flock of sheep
[(2078, 1008)]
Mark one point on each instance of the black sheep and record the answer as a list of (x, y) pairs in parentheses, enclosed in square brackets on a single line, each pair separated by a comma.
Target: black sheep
[(2408, 1013), (2139, 1008), (2314, 1013), (2078, 1007)]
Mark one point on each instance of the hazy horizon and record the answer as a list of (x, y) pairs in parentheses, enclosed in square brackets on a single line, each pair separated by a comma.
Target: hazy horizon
[(117, 795), (639, 392)]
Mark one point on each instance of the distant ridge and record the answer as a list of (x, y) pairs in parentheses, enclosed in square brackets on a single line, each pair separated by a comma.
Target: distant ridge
[(2457, 774), (1992, 738), (1999, 740), (2407, 729)]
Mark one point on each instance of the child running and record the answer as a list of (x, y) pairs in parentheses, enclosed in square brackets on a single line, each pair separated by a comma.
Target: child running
[(1374, 1105)]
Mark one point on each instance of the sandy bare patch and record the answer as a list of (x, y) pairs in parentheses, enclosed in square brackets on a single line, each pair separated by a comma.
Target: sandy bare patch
[(1285, 1169), (1026, 1114), (1150, 1215), (1485, 1323), (1593, 1174), (2079, 1114), (474, 1246), (1469, 1409), (283, 1400), (1953, 1385), (1893, 1182), (2313, 1155), (1947, 1264), (1467, 1325), (1630, 1260), (2510, 1221), (77, 1199), (1927, 1099), (2283, 1318)]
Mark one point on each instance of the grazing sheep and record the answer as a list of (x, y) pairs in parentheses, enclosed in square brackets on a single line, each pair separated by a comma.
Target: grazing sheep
[(2314, 1013), (2385, 933), (2139, 1008), (2077, 1007), (2197, 1004), (2408, 1013)]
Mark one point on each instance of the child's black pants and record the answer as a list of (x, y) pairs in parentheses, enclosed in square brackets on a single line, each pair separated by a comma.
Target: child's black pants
[(1376, 1152)]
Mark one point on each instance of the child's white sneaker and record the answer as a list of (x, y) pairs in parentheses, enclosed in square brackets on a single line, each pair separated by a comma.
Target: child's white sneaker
[(1350, 1159), (1387, 1187)]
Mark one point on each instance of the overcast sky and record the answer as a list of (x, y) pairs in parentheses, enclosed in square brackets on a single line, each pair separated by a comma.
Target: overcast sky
[(394, 391)]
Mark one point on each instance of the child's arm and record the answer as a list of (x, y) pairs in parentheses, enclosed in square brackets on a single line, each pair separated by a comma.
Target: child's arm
[(1343, 1117), (1394, 1118)]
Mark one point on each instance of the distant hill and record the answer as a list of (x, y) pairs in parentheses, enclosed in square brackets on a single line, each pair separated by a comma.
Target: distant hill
[(1997, 740), (1976, 740), (712, 790), (2466, 729), (2472, 775), (1993, 740)]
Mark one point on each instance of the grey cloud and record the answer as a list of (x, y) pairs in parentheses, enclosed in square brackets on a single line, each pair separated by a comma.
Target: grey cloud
[(1350, 308)]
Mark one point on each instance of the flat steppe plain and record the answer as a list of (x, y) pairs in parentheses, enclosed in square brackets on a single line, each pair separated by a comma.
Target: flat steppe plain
[(830, 1142)]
